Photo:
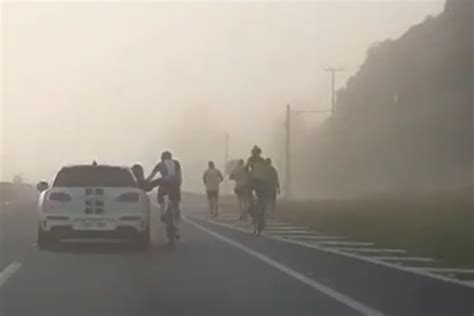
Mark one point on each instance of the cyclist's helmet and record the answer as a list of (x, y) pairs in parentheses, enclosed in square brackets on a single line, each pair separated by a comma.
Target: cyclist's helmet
[(166, 155), (256, 150)]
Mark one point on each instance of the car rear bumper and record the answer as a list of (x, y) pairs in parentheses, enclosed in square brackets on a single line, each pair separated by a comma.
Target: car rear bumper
[(121, 232)]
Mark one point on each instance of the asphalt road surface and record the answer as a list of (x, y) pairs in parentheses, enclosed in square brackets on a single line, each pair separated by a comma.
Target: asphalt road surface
[(213, 271)]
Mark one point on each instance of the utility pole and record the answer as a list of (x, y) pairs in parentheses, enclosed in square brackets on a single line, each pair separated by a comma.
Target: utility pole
[(333, 86), (288, 156), (226, 161)]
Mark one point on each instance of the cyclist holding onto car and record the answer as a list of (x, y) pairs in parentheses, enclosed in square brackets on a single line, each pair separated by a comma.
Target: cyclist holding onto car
[(170, 184), (142, 183)]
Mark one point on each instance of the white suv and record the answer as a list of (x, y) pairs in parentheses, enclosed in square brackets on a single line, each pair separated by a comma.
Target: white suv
[(93, 201)]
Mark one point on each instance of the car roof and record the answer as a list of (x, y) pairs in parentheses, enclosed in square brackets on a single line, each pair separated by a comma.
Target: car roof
[(95, 166)]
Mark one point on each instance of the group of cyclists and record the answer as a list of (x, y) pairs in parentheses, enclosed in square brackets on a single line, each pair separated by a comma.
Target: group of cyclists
[(256, 186)]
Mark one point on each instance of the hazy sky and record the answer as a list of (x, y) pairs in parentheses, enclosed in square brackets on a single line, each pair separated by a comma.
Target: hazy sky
[(120, 82)]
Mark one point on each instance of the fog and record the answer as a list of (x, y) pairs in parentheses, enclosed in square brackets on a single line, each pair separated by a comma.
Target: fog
[(120, 82)]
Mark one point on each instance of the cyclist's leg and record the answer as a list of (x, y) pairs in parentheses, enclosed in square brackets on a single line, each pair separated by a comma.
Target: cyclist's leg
[(252, 207), (174, 195), (175, 198), (261, 201), (246, 200), (216, 203), (241, 198), (209, 201), (161, 201)]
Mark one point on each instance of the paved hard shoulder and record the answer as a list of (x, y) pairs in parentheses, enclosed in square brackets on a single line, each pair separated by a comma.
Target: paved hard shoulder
[(389, 280), (364, 250)]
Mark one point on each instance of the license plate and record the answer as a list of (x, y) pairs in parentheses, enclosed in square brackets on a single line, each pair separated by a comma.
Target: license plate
[(92, 224)]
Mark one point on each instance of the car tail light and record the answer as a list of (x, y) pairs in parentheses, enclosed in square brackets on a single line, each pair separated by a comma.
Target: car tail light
[(59, 196), (129, 197)]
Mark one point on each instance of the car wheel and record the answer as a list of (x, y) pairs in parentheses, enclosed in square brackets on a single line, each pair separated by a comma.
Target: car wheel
[(45, 239)]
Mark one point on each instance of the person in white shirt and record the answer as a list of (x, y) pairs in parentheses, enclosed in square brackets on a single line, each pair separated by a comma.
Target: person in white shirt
[(212, 179)]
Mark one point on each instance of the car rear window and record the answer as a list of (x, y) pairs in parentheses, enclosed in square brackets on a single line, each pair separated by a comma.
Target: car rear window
[(94, 176)]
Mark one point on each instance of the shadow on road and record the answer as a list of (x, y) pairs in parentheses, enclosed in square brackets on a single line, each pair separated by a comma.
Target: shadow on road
[(107, 248)]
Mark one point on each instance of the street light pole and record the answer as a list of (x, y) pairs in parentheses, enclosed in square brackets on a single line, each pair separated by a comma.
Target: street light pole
[(288, 156), (226, 161), (333, 86)]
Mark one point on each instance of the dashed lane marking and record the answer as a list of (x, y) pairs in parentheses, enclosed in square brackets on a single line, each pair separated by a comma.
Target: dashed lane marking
[(394, 258), (311, 237), (389, 264), (314, 238), (341, 298), (344, 243), (447, 270), (370, 250)]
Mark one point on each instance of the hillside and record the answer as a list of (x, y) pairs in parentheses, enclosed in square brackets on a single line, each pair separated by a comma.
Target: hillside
[(404, 122)]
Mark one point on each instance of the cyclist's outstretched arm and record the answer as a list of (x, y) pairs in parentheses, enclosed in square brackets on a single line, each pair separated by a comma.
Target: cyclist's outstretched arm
[(152, 174), (155, 183)]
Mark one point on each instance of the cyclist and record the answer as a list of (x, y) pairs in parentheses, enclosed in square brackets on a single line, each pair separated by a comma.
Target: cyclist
[(212, 178), (258, 171), (273, 187), (240, 176), (170, 184)]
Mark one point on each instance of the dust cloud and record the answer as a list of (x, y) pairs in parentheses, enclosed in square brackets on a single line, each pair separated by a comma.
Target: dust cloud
[(121, 82)]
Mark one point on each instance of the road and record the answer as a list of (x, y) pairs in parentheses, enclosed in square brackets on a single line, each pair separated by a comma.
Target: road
[(213, 271)]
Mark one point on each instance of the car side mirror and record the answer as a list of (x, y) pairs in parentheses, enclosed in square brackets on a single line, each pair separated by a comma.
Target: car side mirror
[(42, 186)]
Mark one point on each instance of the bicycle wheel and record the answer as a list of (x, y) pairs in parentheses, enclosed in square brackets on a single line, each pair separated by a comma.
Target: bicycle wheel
[(170, 226), (260, 216)]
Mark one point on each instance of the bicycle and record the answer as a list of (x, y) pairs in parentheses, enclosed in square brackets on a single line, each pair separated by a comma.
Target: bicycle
[(169, 218), (257, 211)]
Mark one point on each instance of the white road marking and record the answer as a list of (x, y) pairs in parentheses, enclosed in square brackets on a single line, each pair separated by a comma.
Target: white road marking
[(447, 270), (309, 238), (370, 250), (312, 237), (392, 265), (394, 258), (296, 233), (341, 298), (281, 224), (8, 272), (290, 232), (285, 228), (344, 243)]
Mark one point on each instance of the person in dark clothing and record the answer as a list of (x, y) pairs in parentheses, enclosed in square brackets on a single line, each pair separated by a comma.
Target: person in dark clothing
[(257, 170), (273, 186)]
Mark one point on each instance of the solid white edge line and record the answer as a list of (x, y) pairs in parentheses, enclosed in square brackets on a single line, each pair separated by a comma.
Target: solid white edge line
[(358, 257), (8, 272), (341, 298)]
